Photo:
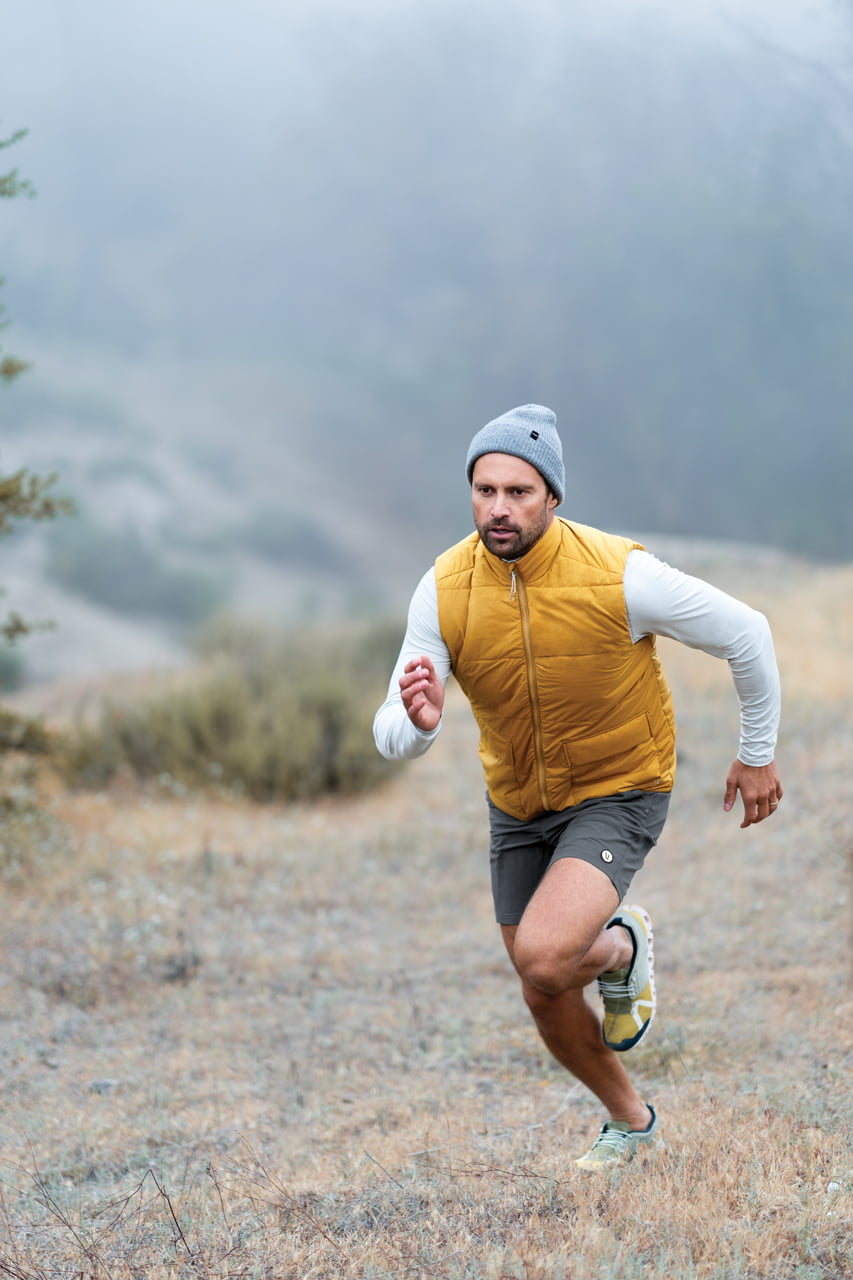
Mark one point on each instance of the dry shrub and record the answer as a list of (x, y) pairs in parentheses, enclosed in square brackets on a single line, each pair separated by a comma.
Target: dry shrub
[(271, 717), (32, 839)]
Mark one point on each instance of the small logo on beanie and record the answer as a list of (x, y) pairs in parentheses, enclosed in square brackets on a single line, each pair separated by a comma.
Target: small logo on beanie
[(534, 435)]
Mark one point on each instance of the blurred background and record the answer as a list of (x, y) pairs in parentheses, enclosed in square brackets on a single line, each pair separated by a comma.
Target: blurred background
[(286, 257)]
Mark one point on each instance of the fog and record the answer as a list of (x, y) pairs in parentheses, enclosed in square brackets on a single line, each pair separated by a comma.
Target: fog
[(292, 255)]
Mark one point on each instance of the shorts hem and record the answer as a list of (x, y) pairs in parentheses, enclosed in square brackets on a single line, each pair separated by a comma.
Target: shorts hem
[(613, 834)]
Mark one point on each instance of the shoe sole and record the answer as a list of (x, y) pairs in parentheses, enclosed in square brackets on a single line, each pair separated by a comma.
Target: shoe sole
[(623, 1047)]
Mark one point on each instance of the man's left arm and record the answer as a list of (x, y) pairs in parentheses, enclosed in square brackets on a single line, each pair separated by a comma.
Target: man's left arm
[(664, 601)]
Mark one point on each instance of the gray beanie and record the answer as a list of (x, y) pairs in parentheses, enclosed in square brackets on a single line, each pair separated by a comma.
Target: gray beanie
[(529, 432)]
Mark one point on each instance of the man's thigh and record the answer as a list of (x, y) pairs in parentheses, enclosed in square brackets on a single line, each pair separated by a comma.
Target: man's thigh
[(569, 909)]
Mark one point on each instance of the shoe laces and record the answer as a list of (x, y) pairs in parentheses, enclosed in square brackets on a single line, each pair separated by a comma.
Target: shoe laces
[(611, 1139), (614, 988)]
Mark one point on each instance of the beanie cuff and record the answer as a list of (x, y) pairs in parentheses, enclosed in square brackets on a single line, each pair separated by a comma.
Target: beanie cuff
[(528, 432)]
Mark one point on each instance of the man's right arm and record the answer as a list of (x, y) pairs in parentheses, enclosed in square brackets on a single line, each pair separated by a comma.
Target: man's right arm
[(396, 735)]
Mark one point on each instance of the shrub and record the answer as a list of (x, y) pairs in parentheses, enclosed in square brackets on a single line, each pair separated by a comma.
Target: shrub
[(22, 734), (31, 838), (270, 716)]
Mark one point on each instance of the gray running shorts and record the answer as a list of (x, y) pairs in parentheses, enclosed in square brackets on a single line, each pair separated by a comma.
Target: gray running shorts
[(613, 833)]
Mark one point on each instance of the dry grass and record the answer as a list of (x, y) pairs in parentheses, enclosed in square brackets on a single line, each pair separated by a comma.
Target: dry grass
[(285, 1042)]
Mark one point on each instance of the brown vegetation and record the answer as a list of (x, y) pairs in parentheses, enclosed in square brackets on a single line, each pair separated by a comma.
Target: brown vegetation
[(283, 1041)]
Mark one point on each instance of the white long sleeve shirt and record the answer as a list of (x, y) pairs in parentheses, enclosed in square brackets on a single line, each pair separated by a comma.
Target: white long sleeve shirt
[(660, 601)]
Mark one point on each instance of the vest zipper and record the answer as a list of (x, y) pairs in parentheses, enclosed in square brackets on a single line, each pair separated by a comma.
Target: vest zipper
[(535, 709), (512, 590)]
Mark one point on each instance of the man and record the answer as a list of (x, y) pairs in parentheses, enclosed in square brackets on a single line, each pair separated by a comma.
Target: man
[(549, 628)]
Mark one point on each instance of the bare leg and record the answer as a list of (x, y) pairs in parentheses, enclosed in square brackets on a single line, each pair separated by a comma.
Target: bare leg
[(560, 946)]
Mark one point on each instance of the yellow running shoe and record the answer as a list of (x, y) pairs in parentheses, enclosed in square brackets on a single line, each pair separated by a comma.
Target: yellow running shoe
[(616, 1144), (629, 994)]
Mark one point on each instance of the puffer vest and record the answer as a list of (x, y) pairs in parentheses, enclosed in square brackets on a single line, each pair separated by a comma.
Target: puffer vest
[(568, 706)]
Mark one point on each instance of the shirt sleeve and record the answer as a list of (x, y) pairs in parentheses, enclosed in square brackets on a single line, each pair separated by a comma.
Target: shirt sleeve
[(664, 601), (393, 732)]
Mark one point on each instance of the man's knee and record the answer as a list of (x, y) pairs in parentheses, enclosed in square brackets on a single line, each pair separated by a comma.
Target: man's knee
[(544, 971), (541, 1004)]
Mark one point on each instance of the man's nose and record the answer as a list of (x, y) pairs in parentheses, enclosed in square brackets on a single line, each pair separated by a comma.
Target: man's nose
[(500, 506)]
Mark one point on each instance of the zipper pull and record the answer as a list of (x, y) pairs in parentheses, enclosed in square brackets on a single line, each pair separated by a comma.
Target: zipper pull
[(512, 591)]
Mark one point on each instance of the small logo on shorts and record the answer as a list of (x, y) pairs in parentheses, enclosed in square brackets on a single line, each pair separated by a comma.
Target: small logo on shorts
[(606, 855)]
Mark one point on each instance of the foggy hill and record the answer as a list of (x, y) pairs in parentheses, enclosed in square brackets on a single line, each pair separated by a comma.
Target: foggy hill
[(284, 262)]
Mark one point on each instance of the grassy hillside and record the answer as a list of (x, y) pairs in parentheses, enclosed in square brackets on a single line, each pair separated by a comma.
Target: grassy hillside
[(249, 1041)]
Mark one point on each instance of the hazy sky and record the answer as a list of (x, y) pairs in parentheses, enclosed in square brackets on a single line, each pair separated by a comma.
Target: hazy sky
[(161, 134)]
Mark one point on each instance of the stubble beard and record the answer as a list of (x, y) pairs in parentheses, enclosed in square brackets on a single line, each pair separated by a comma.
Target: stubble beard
[(516, 547)]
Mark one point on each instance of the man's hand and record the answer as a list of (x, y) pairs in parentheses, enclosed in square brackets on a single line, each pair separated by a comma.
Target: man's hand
[(423, 694), (759, 787)]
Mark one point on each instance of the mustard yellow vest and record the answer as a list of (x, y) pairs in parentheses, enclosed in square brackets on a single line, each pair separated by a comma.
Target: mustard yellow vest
[(568, 707)]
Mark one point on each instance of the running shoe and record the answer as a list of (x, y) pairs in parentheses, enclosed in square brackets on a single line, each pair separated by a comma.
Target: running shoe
[(617, 1143), (629, 994)]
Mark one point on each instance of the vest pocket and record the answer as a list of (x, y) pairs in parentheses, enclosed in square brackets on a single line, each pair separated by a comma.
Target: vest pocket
[(625, 756), (498, 761)]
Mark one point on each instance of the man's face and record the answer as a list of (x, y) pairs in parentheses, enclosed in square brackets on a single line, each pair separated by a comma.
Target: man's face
[(512, 504)]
